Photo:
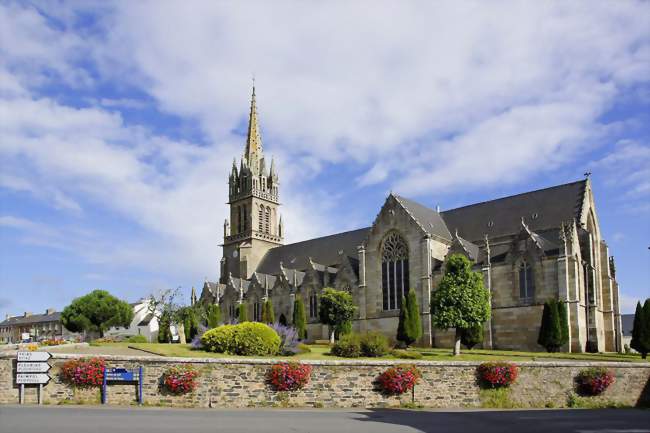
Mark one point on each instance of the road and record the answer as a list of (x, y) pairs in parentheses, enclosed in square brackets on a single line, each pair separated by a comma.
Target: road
[(78, 419)]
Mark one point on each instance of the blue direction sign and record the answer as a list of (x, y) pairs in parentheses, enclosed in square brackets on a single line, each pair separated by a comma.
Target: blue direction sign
[(122, 375)]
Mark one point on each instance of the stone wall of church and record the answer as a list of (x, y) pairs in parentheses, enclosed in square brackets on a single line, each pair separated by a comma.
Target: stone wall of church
[(242, 383)]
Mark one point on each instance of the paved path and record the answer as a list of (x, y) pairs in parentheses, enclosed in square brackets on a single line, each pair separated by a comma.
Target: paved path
[(76, 419)]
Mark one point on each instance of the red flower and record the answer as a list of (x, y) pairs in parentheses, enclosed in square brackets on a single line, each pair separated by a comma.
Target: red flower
[(498, 374), (180, 379), (595, 381), (399, 379), (84, 372), (289, 376)]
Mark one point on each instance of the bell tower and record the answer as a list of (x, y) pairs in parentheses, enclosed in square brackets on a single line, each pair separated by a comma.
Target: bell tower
[(255, 224)]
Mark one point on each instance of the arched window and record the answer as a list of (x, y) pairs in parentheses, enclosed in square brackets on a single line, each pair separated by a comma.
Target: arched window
[(267, 220), (260, 219), (526, 282), (313, 304), (257, 311), (394, 271)]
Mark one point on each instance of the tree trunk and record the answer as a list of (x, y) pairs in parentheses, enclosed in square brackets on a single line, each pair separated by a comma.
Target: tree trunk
[(332, 337), (180, 328), (457, 343)]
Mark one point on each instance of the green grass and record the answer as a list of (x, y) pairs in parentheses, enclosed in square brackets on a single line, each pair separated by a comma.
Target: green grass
[(321, 352)]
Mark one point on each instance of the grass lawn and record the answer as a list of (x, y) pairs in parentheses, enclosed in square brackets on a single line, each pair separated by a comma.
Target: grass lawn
[(321, 352)]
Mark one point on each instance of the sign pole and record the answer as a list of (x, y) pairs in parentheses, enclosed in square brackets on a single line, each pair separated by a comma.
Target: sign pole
[(40, 393), (21, 396), (104, 387), (141, 397)]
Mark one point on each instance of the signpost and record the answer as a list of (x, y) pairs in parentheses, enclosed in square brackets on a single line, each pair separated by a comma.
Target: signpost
[(122, 375), (31, 369)]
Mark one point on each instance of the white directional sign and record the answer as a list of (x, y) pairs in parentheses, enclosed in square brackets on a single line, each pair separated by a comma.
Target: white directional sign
[(33, 356), (32, 367), (27, 378)]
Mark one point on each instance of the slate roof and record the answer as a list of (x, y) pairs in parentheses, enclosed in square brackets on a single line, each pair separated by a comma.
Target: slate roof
[(323, 250), (34, 318), (627, 323), (429, 219), (552, 206)]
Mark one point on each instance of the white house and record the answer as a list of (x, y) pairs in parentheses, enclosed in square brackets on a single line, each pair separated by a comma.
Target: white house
[(144, 323)]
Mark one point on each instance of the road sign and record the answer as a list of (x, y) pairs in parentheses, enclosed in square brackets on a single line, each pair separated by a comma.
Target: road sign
[(33, 356), (32, 367), (121, 374), (27, 378)]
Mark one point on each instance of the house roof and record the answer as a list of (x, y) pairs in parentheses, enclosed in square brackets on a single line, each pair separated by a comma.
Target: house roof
[(34, 318), (627, 323), (429, 219), (541, 209), (324, 250)]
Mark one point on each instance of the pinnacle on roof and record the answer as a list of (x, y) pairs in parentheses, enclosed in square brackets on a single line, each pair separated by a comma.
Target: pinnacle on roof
[(254, 139)]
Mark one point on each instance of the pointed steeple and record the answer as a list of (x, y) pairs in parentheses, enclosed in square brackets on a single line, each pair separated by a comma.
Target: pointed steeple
[(254, 139)]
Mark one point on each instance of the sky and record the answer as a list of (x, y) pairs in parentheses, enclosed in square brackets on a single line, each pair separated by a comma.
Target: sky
[(119, 122)]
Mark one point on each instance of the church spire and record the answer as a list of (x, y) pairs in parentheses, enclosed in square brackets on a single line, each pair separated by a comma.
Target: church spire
[(254, 139)]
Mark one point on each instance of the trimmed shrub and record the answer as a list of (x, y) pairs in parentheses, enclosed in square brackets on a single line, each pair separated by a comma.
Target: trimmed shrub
[(595, 380), (551, 331), (84, 372), (300, 319), (348, 346), (374, 344), (213, 313), (498, 374), (409, 327), (399, 379), (180, 379), (242, 313), (247, 339), (289, 376), (268, 314), (472, 336), (406, 354), (641, 329), (137, 339), (303, 348)]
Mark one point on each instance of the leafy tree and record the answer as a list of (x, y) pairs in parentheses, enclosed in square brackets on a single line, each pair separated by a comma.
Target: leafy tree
[(460, 301), (164, 305), (189, 318), (336, 310), (641, 329), (242, 313), (564, 322), (164, 333), (550, 331), (96, 312), (268, 315), (409, 328), (300, 319), (213, 313), (472, 336)]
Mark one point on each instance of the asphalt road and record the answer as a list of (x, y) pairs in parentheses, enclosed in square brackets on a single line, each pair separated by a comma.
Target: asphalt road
[(73, 419)]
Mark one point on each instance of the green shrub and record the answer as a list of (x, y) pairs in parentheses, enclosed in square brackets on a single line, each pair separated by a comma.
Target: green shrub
[(374, 344), (348, 346), (137, 339), (406, 354), (303, 348), (247, 339)]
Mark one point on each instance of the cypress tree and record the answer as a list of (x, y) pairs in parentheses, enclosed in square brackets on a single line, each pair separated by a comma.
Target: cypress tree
[(472, 336), (402, 334), (214, 315), (564, 322), (414, 323), (242, 313), (550, 332), (268, 315), (300, 319), (636, 328), (641, 330)]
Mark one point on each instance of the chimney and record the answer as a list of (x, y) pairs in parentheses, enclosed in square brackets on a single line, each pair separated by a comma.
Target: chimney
[(27, 313), (50, 311)]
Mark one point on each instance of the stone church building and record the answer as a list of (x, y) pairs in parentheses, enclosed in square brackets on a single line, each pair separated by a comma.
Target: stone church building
[(529, 247)]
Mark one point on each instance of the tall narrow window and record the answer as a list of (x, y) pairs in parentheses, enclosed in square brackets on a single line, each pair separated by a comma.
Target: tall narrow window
[(260, 219), (231, 311), (245, 223), (238, 219), (526, 282), (267, 220), (313, 305), (394, 271), (257, 311)]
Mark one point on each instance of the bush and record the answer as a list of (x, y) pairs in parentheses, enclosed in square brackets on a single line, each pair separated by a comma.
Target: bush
[(247, 339), (303, 348), (595, 380), (137, 339), (409, 327), (288, 339), (374, 344), (498, 374), (406, 354), (180, 379), (348, 346), (52, 342), (84, 372), (289, 376), (399, 379)]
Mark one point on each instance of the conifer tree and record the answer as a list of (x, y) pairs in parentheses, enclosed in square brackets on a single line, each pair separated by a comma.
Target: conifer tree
[(268, 315), (242, 313), (550, 331), (641, 329), (564, 322), (402, 335), (409, 328), (213, 315), (300, 319)]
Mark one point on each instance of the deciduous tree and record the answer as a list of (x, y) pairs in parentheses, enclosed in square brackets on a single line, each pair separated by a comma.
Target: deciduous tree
[(336, 310), (96, 312)]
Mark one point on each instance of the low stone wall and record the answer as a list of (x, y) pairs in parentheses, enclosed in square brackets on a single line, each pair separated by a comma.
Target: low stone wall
[(241, 383)]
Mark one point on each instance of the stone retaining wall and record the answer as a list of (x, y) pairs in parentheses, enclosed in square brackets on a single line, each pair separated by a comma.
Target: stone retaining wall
[(241, 383)]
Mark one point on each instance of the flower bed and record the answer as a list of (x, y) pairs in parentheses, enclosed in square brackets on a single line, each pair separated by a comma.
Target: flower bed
[(180, 379), (289, 376), (594, 381), (84, 372), (52, 342), (498, 374), (399, 379)]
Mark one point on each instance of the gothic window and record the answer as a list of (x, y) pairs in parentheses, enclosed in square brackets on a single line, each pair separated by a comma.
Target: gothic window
[(232, 311), (257, 311), (245, 220), (267, 220), (313, 305), (526, 281), (394, 271), (238, 219), (260, 218)]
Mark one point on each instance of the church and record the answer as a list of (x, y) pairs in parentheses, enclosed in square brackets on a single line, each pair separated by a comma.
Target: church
[(530, 247)]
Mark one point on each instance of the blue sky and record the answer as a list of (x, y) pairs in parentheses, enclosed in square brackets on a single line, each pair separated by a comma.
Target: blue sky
[(119, 121)]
